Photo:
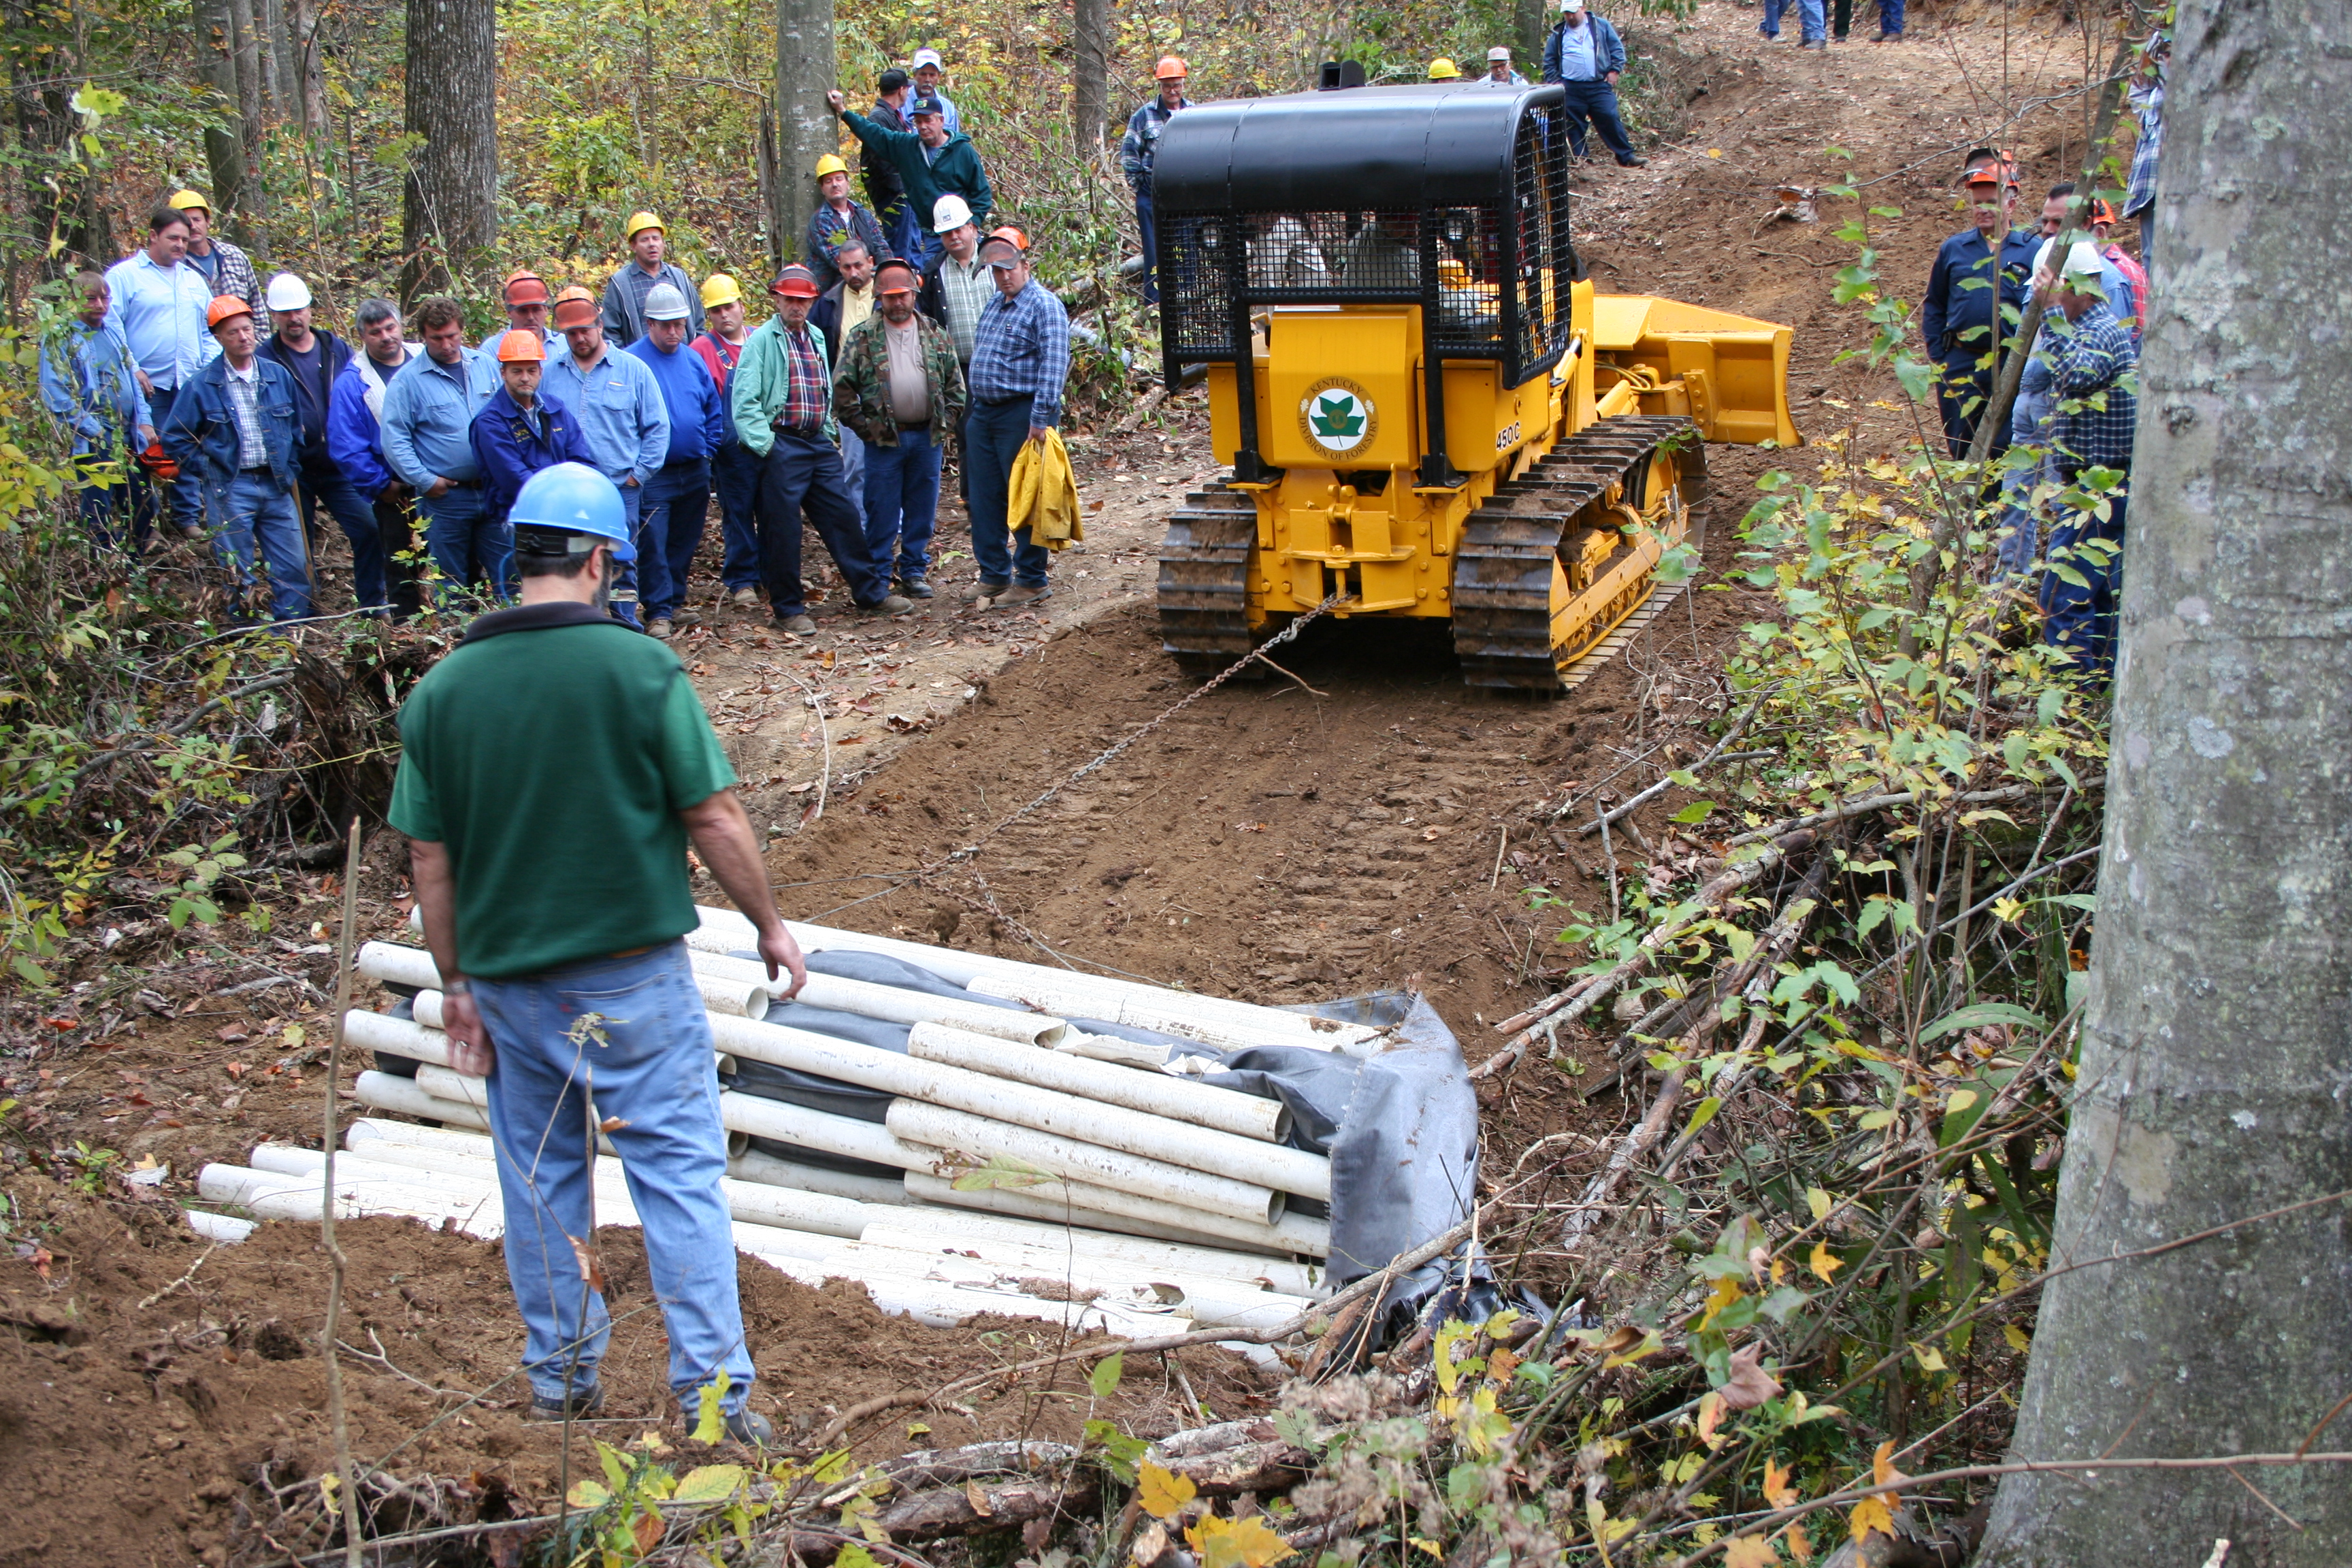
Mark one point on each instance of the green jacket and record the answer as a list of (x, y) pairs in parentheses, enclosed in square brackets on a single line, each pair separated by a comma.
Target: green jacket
[(761, 381), (957, 168), (861, 387)]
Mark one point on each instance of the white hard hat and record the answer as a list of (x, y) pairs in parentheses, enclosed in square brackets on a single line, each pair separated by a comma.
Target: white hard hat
[(949, 213), (2082, 259), (665, 302), (286, 293), (1499, 55)]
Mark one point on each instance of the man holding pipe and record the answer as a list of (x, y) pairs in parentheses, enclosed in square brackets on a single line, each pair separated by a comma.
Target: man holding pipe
[(547, 846)]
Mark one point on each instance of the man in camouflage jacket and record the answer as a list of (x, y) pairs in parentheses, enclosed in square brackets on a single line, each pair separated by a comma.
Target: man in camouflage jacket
[(900, 388)]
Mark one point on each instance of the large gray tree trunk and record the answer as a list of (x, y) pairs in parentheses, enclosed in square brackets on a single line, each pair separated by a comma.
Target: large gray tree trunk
[(2216, 1075), (1529, 24), (216, 65), (450, 217), (1090, 74), (806, 128)]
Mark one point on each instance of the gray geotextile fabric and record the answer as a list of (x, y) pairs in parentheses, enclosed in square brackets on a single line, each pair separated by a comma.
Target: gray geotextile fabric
[(1400, 1128)]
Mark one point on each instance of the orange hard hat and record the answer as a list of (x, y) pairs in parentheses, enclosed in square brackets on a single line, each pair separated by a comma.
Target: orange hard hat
[(1011, 233), (518, 347), (1169, 65), (575, 307), (2102, 212), (524, 286), (227, 307)]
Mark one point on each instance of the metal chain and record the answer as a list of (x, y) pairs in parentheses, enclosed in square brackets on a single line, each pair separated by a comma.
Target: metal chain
[(1112, 751)]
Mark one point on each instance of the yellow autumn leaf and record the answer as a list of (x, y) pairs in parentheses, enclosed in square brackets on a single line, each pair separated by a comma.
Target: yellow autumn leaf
[(1715, 151), (588, 1494), (1710, 1416), (1882, 1465), (1236, 1543), (1750, 1552), (1423, 1543), (1818, 1201), (709, 1483), (1961, 1100), (2017, 1338), (1870, 1516), (1930, 1359), (1801, 1545), (1776, 1490), (1824, 1262), (1163, 1493)]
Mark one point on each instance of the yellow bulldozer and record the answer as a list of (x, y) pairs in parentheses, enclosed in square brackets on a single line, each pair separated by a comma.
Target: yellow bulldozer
[(1427, 409)]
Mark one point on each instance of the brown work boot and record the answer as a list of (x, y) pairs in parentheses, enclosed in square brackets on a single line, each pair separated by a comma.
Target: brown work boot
[(798, 625), (984, 589), (1020, 594), (744, 598), (889, 604)]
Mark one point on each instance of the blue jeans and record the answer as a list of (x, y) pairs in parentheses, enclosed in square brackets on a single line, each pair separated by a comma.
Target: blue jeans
[(2082, 617), (355, 515), (853, 468), (923, 247), (1597, 101), (251, 515), (677, 502), (117, 505), (188, 493), (653, 1069), (902, 503), (900, 231), (803, 477), (467, 545), (1149, 227), (1812, 19), (735, 475), (626, 593), (992, 437)]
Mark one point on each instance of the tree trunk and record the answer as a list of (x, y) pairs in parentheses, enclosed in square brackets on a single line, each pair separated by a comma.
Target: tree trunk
[(771, 195), (806, 128), (1089, 73), (277, 57), (450, 215), (59, 187), (245, 46), (1528, 26), (216, 65), (2215, 1055), (309, 66)]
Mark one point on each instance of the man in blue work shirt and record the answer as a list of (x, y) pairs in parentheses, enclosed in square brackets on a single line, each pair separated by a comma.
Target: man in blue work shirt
[(1138, 147), (622, 414), (1956, 313), (1586, 57), (233, 426), (1020, 358), (88, 381), (678, 498), (427, 418), (355, 441), (157, 301), (316, 360)]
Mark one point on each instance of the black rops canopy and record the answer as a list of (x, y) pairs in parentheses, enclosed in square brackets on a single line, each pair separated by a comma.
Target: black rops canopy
[(1391, 148)]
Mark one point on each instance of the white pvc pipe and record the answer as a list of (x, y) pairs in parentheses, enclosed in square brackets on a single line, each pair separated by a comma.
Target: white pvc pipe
[(1209, 1302), (387, 1091), (398, 965), (1056, 1203), (445, 1083), (1168, 1011), (820, 1129), (945, 1306), (1138, 1134), (397, 1036), (376, 1129), (768, 1171), (967, 1142), (1157, 1094), (951, 1227), (221, 1227), (895, 1004), (272, 1195)]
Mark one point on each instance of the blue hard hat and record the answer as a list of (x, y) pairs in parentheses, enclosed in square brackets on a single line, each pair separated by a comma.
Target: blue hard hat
[(573, 498)]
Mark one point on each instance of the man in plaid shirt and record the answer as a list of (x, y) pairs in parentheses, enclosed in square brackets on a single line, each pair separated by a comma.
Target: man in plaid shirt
[(2093, 370), (2148, 103), (1020, 357), (782, 398)]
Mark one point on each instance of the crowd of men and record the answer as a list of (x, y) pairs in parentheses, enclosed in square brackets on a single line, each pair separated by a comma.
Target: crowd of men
[(2065, 453), (1585, 55), (908, 331)]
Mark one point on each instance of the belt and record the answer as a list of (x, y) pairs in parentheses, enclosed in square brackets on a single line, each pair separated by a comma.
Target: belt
[(259, 468), (806, 432), (631, 952), (463, 484), (1017, 397), (916, 425)]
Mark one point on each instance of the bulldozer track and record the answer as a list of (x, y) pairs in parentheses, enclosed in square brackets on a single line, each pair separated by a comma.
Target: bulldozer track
[(1502, 582), (1502, 593)]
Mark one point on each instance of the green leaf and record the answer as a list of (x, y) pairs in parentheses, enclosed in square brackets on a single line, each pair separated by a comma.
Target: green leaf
[(588, 1494), (1104, 1378), (853, 1554), (1980, 1014), (1001, 1171), (1702, 1113), (1696, 811), (829, 1470), (711, 1424)]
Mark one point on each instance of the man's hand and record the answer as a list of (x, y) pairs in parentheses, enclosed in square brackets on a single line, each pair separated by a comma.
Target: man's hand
[(1037, 432), (1611, 78), (440, 488), (146, 437), (723, 837), (783, 954), (469, 1039), (834, 100), (146, 382), (394, 493)]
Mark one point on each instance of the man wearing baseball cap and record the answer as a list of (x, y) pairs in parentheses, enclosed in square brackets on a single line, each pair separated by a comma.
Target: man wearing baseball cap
[(901, 390), (1586, 57), (1137, 150), (234, 426), (782, 399), (931, 160), (1020, 358), (1498, 69), (926, 68), (1957, 313), (624, 296), (885, 191), (527, 301), (314, 359)]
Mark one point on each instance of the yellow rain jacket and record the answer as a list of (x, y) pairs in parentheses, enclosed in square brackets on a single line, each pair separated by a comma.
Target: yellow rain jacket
[(1044, 493)]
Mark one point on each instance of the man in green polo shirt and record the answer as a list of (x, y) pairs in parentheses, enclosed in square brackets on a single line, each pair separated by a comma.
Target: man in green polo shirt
[(554, 768)]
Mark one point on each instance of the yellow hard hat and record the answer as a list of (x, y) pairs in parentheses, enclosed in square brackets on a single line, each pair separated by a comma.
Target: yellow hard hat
[(184, 200), (640, 222), (831, 163), (1443, 70), (719, 289)]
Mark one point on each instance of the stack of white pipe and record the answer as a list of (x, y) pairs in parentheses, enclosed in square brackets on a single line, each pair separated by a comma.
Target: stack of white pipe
[(1058, 1135)]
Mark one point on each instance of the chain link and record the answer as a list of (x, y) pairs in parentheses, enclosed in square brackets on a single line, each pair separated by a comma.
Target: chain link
[(1112, 751)]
